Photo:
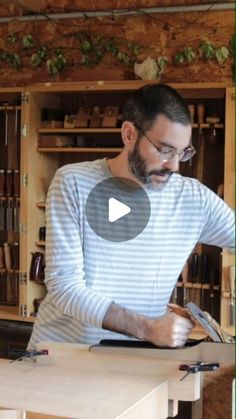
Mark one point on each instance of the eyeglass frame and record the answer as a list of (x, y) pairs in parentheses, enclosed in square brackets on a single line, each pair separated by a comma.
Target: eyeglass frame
[(175, 152)]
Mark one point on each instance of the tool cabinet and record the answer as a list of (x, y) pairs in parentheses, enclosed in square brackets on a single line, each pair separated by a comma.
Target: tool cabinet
[(29, 115)]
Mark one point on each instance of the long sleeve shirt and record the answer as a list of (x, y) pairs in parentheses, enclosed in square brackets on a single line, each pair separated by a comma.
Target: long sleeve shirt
[(85, 273)]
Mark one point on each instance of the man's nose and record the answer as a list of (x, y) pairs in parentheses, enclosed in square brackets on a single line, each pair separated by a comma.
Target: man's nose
[(172, 164)]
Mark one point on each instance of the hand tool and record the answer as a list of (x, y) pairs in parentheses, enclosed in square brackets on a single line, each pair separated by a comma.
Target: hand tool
[(184, 281), (179, 310), (6, 124), (7, 256), (2, 211), (193, 274), (203, 275), (211, 327), (200, 143), (213, 120), (232, 295), (9, 215), (16, 213)]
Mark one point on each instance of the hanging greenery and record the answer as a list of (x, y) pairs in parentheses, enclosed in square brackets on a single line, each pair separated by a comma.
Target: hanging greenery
[(89, 49)]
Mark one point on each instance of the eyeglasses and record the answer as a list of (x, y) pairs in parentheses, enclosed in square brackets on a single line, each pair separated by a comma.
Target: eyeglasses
[(167, 153)]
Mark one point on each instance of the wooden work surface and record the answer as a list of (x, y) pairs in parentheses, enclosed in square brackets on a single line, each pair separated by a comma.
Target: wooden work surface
[(73, 382)]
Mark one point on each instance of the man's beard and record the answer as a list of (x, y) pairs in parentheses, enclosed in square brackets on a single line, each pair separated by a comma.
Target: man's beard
[(139, 169)]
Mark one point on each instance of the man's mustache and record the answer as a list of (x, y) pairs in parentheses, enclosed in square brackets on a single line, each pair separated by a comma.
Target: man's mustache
[(162, 172)]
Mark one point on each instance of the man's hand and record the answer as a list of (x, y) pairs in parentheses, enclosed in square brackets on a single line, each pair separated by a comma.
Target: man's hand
[(169, 330)]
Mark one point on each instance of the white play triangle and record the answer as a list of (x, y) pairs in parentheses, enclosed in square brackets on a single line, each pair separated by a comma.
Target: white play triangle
[(116, 210)]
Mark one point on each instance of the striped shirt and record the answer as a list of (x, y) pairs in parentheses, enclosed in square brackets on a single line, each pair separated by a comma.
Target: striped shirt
[(85, 273)]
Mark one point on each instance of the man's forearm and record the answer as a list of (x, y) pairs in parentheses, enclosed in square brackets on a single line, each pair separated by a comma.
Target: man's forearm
[(125, 321), (168, 330)]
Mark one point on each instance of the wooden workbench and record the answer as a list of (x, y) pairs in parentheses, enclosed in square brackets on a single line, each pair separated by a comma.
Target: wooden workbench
[(77, 383)]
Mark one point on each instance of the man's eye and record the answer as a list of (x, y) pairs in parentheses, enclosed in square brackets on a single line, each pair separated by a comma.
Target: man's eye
[(167, 151)]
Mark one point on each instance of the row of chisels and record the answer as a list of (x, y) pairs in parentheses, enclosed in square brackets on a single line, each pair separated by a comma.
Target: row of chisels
[(199, 283), (9, 214), (9, 288), (9, 256)]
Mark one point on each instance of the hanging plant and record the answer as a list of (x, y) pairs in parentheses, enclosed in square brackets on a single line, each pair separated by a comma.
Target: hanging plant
[(205, 51), (92, 48), (186, 55)]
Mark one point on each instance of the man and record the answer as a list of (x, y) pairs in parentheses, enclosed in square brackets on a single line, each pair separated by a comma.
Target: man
[(105, 289)]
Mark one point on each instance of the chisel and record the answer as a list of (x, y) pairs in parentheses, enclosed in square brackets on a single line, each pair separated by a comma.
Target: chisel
[(193, 274), (203, 275), (184, 281), (232, 296)]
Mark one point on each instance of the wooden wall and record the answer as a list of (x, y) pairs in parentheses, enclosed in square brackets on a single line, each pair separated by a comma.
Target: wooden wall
[(161, 34)]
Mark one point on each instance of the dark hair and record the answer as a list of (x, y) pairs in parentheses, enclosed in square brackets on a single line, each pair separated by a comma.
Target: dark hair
[(151, 100)]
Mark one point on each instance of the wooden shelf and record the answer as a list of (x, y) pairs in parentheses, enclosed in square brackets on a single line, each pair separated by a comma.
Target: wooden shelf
[(79, 130), (10, 108), (197, 285), (11, 313), (104, 130), (9, 198), (79, 149), (206, 125), (10, 270)]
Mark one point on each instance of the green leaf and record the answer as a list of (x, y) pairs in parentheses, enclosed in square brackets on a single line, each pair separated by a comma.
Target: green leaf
[(86, 61), (52, 68), (98, 56), (123, 58), (86, 46), (42, 52), (15, 60), (179, 58), (135, 49), (35, 60), (233, 44), (112, 48), (60, 62), (206, 50), (27, 41), (162, 63), (221, 54), (57, 51), (189, 54), (11, 38)]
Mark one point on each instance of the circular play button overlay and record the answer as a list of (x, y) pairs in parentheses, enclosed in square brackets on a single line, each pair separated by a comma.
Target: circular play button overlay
[(117, 209)]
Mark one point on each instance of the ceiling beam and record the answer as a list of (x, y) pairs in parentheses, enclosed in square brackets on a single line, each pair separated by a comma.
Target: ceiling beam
[(119, 12)]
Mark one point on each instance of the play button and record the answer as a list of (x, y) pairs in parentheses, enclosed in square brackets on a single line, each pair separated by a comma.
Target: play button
[(117, 209)]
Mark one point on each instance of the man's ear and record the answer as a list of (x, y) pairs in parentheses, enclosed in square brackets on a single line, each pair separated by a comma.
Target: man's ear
[(128, 133)]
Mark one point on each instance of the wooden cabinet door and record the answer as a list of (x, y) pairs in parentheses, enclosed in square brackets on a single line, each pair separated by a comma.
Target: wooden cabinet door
[(229, 197)]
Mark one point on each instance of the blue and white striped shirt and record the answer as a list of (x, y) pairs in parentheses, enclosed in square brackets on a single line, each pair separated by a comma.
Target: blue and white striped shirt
[(85, 273)]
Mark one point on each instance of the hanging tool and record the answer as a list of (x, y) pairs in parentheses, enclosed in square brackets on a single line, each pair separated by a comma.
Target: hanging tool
[(2, 211), (213, 120), (203, 275), (16, 214), (9, 215), (184, 282), (6, 123), (16, 120), (200, 143), (232, 296)]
